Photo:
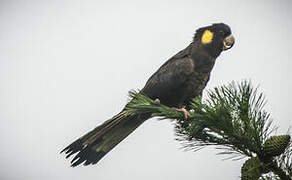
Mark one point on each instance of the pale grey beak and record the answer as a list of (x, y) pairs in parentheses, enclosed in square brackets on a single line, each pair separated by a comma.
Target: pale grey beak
[(228, 42)]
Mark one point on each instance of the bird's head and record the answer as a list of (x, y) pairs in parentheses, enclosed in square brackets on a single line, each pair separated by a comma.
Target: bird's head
[(215, 38)]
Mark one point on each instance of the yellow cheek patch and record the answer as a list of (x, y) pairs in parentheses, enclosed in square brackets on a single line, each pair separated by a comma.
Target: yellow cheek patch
[(207, 37)]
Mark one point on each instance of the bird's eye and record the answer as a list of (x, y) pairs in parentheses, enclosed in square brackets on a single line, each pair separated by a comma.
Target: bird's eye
[(221, 32)]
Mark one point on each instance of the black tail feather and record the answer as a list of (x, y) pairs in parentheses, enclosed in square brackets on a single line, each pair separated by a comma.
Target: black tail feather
[(73, 148), (88, 156), (94, 145), (85, 154)]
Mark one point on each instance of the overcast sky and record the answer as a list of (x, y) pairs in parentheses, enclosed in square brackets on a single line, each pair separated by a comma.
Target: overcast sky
[(66, 66)]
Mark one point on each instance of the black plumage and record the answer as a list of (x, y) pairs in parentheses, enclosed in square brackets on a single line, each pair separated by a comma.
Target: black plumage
[(175, 83)]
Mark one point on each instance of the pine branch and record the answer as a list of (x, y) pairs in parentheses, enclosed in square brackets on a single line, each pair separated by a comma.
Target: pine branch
[(233, 120)]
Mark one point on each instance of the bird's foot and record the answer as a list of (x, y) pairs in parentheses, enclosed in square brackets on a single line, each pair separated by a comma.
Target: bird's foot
[(157, 101), (183, 110)]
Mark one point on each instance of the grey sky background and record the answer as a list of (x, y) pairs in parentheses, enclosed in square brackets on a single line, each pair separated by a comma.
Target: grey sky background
[(66, 66)]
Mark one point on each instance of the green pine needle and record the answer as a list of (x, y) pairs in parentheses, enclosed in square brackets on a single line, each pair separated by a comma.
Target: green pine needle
[(231, 118)]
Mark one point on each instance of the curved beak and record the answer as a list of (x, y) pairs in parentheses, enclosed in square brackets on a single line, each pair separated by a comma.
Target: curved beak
[(228, 42)]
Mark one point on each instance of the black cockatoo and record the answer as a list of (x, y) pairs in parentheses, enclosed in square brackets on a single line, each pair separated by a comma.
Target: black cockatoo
[(175, 83)]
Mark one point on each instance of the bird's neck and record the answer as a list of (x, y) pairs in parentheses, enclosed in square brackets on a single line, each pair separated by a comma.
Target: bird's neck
[(202, 59), (207, 50)]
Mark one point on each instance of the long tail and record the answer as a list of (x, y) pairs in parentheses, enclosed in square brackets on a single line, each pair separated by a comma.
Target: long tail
[(97, 143)]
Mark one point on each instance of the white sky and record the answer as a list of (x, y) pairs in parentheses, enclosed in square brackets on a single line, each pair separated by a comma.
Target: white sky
[(66, 66)]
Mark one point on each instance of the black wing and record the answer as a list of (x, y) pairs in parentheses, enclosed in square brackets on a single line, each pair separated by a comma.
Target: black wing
[(169, 81)]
